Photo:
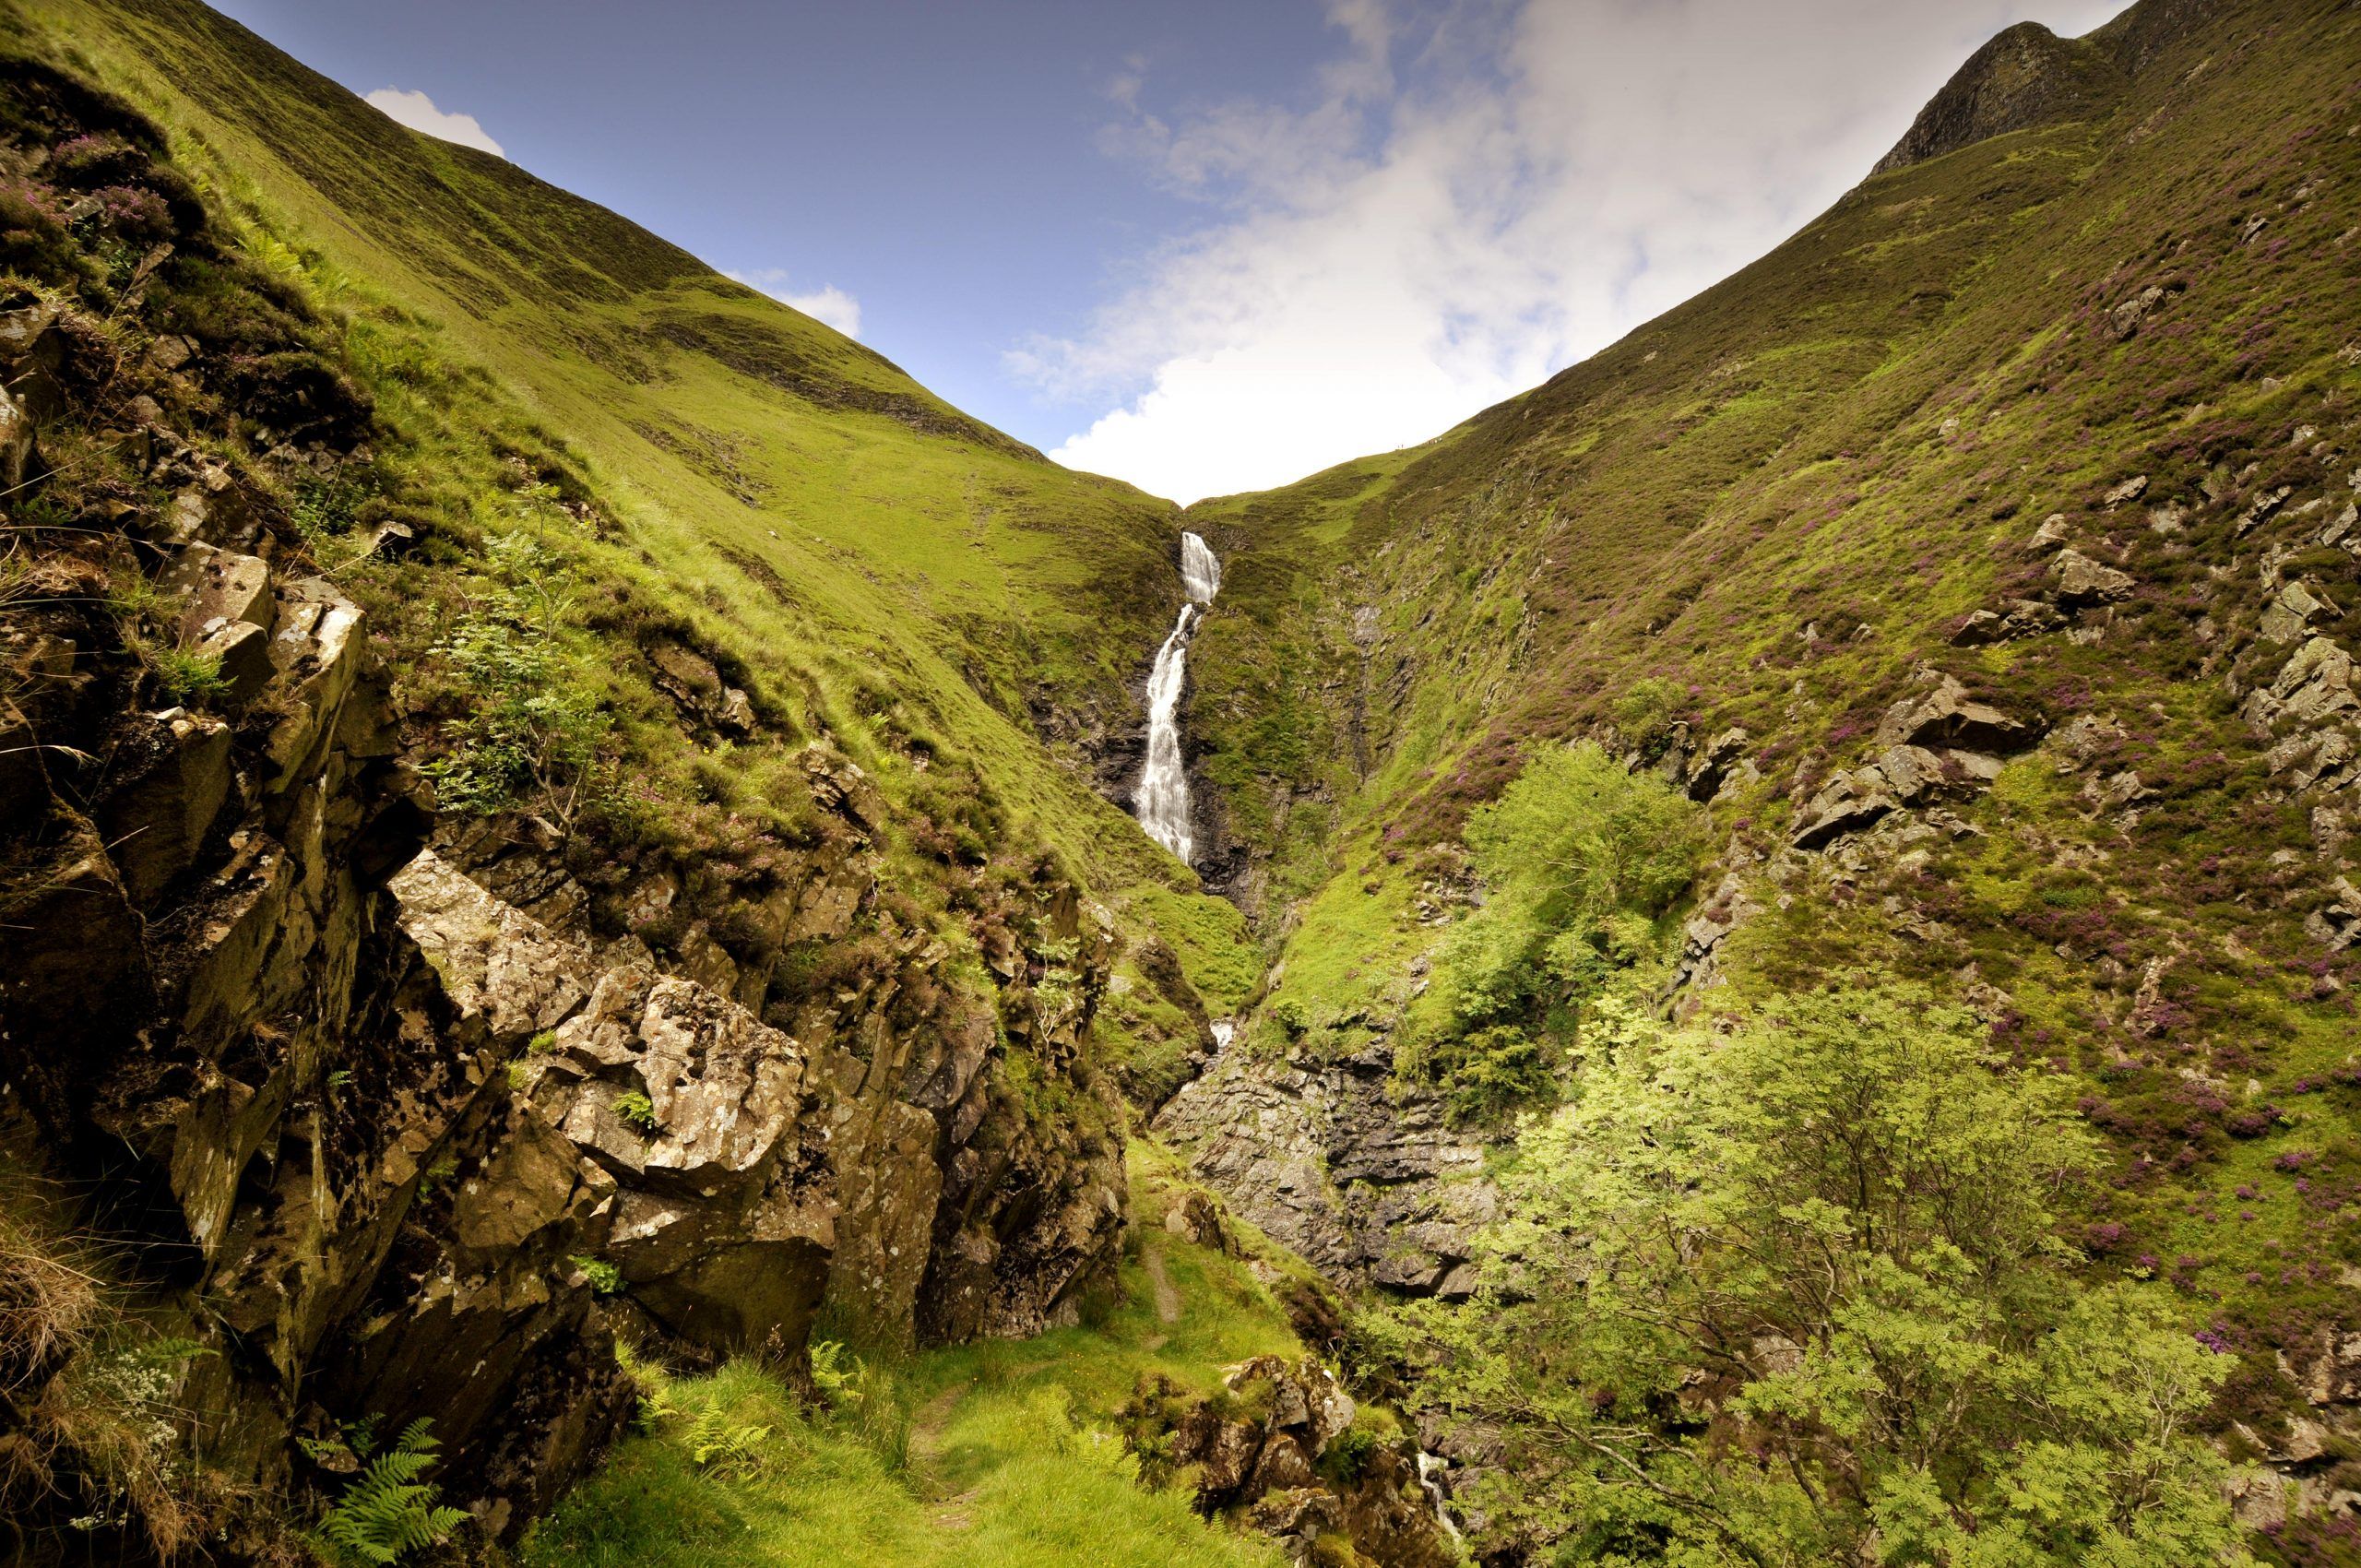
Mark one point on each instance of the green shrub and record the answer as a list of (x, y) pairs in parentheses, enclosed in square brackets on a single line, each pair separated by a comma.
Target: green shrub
[(1580, 859), (187, 677), (1848, 1209), (637, 1110), (605, 1279), (533, 729)]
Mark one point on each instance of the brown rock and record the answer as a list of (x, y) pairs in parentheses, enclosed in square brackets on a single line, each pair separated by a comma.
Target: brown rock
[(2081, 580), (240, 654), (1849, 803), (219, 585), (1196, 1217), (171, 788), (1948, 718)]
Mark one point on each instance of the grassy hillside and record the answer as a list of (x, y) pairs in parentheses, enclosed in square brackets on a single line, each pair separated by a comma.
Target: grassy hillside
[(2067, 415), (888, 569)]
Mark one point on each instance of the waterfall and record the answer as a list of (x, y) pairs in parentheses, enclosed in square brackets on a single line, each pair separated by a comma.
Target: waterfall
[(1161, 801), (1430, 1465), (1200, 569)]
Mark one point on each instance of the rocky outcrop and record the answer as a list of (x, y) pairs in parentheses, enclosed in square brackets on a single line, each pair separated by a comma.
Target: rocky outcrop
[(2023, 78), (1267, 1451), (1942, 743), (1364, 1179)]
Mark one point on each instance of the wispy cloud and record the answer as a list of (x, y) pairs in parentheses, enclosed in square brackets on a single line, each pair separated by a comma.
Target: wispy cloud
[(829, 305), (1470, 195), (418, 112)]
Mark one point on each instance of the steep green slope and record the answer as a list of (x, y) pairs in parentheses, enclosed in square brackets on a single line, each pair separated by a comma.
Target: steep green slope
[(2059, 408), (897, 573), (1771, 506)]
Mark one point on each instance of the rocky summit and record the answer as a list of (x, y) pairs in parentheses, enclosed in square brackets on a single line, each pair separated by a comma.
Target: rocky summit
[(625, 938)]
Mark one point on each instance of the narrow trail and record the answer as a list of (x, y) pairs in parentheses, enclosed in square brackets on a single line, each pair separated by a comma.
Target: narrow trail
[(1167, 1298), (927, 1424)]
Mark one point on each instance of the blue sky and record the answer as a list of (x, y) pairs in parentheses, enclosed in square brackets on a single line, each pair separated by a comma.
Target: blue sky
[(1206, 245)]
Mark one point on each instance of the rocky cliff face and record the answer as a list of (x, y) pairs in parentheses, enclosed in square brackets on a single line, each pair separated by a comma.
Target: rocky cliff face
[(395, 1112), (1368, 1183)]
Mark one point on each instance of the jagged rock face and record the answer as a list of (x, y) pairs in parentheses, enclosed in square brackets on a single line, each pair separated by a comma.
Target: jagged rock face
[(1257, 1454), (1368, 1188), (396, 1133), (2025, 76)]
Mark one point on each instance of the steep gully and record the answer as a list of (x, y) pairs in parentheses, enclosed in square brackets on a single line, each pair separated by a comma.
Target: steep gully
[(1163, 806)]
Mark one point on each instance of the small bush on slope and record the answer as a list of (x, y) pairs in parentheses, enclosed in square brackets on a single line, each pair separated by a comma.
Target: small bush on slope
[(1796, 1295), (1579, 859)]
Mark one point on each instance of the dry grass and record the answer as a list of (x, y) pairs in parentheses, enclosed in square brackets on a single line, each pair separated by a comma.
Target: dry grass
[(88, 1432)]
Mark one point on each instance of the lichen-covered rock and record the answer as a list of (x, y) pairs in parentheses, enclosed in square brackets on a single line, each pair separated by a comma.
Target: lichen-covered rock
[(2313, 685), (1948, 718), (2083, 581), (1846, 803), (1368, 1183), (211, 584)]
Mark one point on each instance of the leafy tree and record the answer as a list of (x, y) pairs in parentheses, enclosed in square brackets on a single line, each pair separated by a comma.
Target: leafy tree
[(1580, 859), (1793, 1294)]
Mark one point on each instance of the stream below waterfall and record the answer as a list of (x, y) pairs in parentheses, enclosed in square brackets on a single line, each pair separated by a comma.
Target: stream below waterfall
[(1161, 801)]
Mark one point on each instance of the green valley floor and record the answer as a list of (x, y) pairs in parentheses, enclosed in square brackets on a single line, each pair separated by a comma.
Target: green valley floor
[(1004, 1452)]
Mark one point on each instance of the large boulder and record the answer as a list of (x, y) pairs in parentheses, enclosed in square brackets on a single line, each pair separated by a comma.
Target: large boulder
[(1948, 718), (705, 1119), (705, 1125)]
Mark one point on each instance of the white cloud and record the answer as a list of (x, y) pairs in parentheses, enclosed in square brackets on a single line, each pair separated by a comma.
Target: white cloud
[(1469, 200), (830, 305), (418, 112)]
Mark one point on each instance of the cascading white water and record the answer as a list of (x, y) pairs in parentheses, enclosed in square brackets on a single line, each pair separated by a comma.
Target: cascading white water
[(1430, 1465), (1200, 569), (1161, 801)]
